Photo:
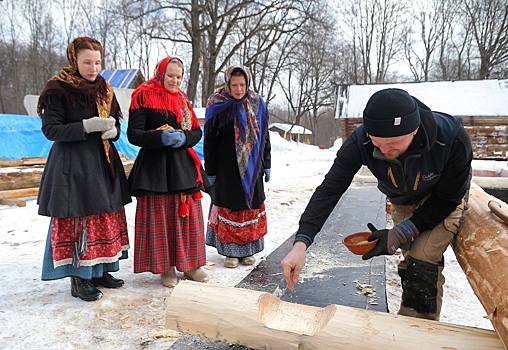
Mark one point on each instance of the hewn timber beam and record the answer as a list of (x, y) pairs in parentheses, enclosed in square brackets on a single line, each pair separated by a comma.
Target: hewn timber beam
[(262, 321), (481, 248)]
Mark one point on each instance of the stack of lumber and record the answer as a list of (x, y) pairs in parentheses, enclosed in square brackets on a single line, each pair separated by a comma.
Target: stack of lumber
[(25, 176)]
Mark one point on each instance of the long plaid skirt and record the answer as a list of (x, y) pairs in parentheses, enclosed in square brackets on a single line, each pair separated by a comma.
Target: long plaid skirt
[(164, 238)]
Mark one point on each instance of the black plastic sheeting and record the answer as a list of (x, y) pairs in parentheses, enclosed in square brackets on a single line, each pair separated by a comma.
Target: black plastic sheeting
[(332, 274)]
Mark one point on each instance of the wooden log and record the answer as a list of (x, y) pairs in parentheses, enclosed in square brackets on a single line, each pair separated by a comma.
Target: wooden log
[(484, 121), (13, 202), (262, 321), (26, 192), (491, 182), (481, 248), (18, 180)]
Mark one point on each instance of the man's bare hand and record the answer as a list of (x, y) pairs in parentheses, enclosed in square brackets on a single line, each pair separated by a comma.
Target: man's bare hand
[(293, 263)]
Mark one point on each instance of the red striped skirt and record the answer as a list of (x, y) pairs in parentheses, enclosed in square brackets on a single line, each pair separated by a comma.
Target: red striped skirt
[(164, 238), (106, 238)]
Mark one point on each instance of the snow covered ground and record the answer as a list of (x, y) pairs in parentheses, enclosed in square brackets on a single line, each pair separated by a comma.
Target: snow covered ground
[(44, 315)]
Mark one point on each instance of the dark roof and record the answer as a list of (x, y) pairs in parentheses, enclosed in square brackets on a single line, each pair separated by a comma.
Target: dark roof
[(123, 78)]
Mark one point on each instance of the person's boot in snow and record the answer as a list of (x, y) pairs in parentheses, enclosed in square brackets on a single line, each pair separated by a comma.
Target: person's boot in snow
[(231, 262), (197, 275), (107, 281), (169, 279), (84, 289), (248, 260)]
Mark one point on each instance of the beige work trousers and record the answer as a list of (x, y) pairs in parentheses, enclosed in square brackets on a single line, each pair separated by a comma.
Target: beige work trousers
[(428, 247)]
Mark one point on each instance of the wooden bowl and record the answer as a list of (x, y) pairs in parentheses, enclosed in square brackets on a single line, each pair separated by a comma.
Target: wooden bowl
[(357, 243)]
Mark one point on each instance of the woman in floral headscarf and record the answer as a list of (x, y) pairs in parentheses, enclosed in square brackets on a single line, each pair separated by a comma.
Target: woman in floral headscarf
[(83, 187), (237, 155), (166, 178)]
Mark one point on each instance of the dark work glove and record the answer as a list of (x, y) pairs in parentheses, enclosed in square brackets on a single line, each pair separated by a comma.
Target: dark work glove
[(389, 241)]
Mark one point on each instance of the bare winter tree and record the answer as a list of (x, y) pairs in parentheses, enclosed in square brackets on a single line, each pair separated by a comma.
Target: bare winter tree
[(264, 46), (433, 18), (489, 23), (11, 67), (374, 28)]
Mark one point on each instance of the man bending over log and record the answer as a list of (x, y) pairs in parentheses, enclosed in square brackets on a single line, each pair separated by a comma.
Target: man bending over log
[(422, 161)]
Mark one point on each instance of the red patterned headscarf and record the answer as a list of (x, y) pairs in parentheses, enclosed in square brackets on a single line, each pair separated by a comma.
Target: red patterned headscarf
[(153, 95)]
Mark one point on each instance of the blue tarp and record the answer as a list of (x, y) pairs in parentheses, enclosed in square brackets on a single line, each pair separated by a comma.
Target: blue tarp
[(21, 137)]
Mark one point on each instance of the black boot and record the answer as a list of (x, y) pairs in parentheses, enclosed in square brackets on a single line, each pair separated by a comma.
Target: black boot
[(84, 290), (107, 281)]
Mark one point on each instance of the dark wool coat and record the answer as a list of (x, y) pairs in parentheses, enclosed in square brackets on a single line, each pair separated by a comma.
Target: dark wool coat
[(160, 169), (220, 160), (76, 181)]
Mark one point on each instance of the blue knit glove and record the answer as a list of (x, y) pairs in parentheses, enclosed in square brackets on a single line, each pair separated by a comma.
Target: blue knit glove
[(267, 174), (212, 178), (180, 139), (173, 138)]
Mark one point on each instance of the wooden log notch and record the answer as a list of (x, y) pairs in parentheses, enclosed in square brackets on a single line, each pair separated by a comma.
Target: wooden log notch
[(262, 321), (481, 248)]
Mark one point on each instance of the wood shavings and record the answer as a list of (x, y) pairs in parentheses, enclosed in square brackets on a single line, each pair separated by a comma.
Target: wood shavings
[(103, 319), (366, 289), (276, 274), (152, 307), (164, 334), (210, 263), (126, 316), (126, 326)]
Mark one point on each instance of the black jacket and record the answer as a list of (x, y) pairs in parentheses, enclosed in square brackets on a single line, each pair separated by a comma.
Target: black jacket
[(76, 181), (220, 160), (160, 169), (438, 162)]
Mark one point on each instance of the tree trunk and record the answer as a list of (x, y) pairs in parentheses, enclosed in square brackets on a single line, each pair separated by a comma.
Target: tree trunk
[(481, 248), (262, 321), (196, 52)]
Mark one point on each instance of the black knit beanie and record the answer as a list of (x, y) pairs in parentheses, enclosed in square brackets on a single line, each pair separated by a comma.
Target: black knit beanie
[(391, 113)]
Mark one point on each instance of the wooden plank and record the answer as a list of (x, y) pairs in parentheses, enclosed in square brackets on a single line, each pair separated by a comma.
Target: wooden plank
[(7, 162), (262, 321), (13, 202), (34, 160), (25, 192), (481, 248)]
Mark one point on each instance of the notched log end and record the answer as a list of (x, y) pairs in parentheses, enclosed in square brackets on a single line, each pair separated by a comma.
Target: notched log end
[(294, 318)]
